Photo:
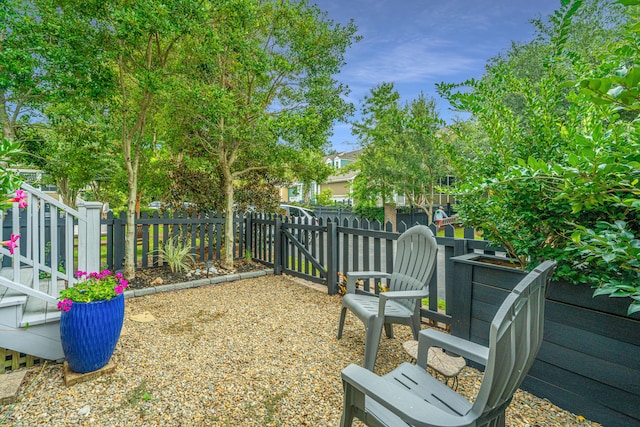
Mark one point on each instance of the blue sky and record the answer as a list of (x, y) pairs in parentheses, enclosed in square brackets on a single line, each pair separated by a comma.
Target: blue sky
[(418, 43)]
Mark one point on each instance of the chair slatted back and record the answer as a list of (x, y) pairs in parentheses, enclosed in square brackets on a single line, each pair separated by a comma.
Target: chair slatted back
[(414, 263), (515, 337)]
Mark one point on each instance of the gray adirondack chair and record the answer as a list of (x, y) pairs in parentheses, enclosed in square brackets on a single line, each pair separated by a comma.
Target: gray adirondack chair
[(412, 270), (410, 396)]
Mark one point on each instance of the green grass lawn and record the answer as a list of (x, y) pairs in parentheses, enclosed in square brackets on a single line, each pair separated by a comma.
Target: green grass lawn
[(442, 304), (458, 233)]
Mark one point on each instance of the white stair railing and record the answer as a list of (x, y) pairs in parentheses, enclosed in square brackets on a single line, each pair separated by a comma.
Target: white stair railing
[(55, 241)]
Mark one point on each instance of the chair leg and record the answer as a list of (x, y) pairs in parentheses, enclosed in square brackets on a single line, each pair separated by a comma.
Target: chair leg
[(347, 417), (415, 327), (352, 398), (371, 343), (341, 323), (388, 328), (497, 421)]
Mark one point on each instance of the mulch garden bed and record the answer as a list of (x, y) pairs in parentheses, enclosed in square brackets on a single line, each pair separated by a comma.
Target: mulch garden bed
[(163, 275)]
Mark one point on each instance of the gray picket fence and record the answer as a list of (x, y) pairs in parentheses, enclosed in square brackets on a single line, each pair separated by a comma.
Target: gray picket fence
[(204, 232), (316, 251)]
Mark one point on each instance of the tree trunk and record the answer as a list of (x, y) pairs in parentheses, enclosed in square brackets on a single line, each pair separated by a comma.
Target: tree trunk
[(68, 197), (7, 128), (138, 199), (227, 260), (130, 237), (306, 189), (428, 211), (390, 214)]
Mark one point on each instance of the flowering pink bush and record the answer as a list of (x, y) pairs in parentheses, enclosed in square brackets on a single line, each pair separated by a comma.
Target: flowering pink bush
[(21, 199), (65, 305), (11, 243), (100, 286)]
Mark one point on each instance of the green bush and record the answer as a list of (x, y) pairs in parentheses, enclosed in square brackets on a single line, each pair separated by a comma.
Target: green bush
[(551, 165), (324, 198), (372, 213)]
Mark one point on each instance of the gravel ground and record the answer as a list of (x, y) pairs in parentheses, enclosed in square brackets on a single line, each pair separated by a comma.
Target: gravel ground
[(256, 352)]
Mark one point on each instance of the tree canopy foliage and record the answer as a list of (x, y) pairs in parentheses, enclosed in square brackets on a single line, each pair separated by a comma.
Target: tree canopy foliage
[(257, 92), (401, 151), (223, 95), (555, 171)]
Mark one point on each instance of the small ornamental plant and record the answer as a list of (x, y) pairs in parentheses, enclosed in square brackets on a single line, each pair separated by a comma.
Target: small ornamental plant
[(96, 287), (342, 284)]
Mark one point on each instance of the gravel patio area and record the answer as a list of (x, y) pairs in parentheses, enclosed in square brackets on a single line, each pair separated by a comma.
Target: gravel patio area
[(255, 352)]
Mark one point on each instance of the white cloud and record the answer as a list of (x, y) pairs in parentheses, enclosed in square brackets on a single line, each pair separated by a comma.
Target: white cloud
[(411, 62), (418, 43)]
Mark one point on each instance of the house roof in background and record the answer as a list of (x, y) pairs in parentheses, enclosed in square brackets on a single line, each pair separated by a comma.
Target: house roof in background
[(341, 177), (347, 155)]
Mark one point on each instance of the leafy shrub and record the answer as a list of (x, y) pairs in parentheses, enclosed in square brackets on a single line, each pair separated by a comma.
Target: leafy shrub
[(372, 213), (324, 198), (556, 175)]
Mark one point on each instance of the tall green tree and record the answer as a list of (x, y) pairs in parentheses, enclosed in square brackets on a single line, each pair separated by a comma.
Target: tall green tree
[(138, 42), (46, 56), (20, 50), (519, 115), (308, 167), (401, 149), (378, 131), (420, 159), (258, 86), (76, 152)]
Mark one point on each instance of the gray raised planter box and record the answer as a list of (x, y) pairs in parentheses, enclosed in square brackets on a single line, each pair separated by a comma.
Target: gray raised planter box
[(589, 362)]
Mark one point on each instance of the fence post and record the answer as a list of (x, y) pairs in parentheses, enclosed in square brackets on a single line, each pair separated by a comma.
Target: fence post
[(118, 240), (109, 230), (459, 248), (461, 310), (277, 246), (332, 258), (388, 245), (89, 236), (248, 234)]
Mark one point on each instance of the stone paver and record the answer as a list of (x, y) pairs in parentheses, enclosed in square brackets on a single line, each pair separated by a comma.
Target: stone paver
[(9, 384)]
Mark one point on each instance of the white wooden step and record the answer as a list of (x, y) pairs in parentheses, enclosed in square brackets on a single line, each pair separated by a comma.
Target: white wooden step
[(9, 301), (39, 340), (39, 318), (11, 309)]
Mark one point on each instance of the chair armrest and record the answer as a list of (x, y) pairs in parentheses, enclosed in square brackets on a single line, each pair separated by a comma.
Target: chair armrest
[(410, 408), (405, 294), (352, 276), (432, 338), (392, 295)]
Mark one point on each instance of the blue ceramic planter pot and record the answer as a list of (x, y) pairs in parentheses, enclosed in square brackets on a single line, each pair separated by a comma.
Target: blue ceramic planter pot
[(89, 333)]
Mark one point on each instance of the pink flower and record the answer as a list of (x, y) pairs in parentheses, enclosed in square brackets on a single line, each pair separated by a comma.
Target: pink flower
[(20, 198), (80, 274), (119, 289), (104, 273), (65, 305), (11, 244)]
